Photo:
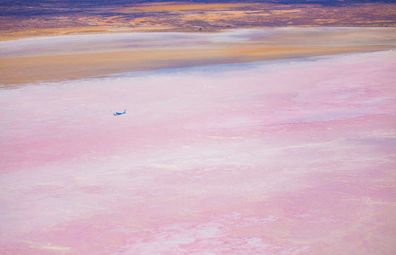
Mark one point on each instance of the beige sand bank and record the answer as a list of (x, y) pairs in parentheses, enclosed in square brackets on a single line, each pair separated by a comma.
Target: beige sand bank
[(78, 56)]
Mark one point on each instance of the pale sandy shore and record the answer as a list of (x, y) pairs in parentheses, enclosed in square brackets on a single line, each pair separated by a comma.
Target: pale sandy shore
[(44, 59)]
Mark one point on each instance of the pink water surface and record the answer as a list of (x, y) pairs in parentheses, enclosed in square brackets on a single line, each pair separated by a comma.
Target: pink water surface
[(283, 158)]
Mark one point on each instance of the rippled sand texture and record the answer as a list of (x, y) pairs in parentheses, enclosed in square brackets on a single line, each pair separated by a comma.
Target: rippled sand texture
[(286, 158), (80, 56)]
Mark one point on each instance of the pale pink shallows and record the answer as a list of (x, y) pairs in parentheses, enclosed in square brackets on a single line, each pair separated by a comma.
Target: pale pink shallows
[(276, 158)]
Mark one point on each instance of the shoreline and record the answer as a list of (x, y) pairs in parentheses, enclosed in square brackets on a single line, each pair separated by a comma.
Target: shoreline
[(26, 35), (62, 58)]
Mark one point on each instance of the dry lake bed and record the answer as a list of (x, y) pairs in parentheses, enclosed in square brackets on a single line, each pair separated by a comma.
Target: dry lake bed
[(276, 141)]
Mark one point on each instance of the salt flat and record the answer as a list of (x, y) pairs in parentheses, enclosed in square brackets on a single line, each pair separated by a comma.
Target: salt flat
[(287, 157)]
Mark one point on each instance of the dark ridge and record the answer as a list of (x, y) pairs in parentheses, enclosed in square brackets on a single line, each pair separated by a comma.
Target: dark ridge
[(55, 7)]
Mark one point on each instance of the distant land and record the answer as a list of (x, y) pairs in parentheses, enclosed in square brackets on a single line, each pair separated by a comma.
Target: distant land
[(19, 19)]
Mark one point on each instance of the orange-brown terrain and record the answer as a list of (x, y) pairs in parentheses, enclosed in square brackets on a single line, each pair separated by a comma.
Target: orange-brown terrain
[(170, 16)]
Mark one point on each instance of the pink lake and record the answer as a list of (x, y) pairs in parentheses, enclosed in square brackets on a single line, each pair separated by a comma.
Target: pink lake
[(282, 158)]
